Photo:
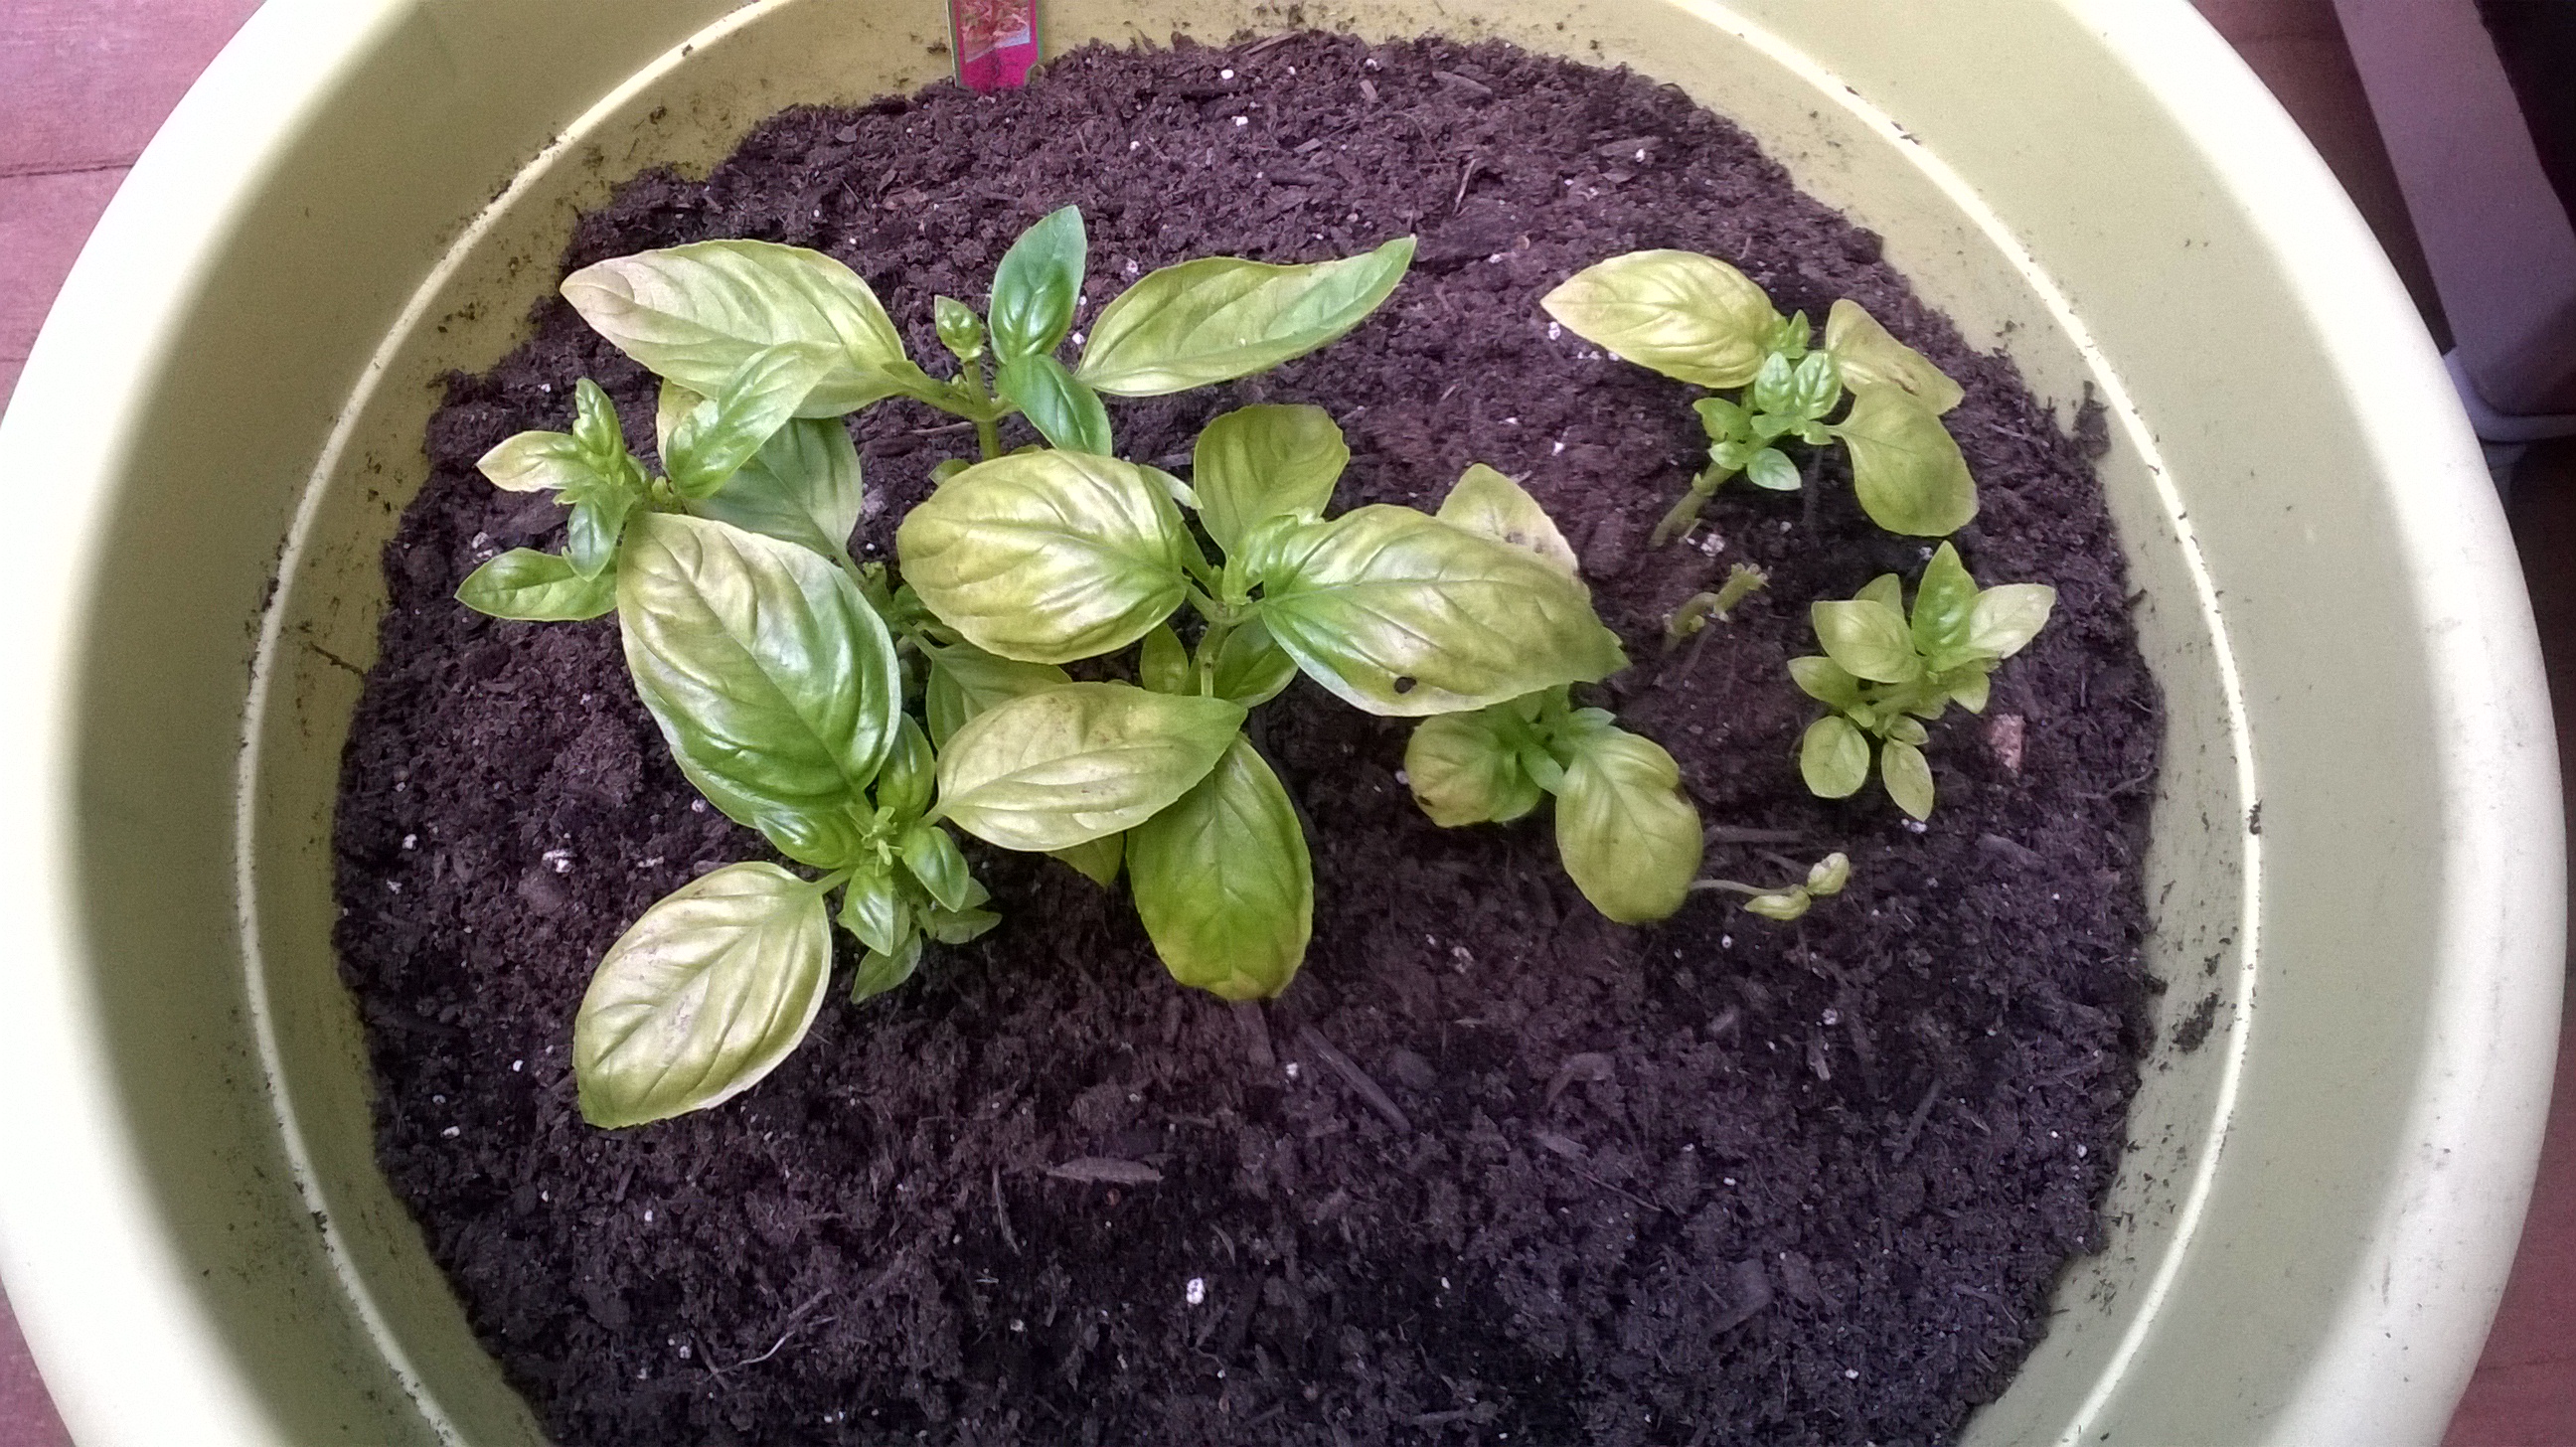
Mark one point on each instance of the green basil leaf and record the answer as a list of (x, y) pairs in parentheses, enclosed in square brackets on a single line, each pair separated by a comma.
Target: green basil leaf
[(909, 776), (965, 680), (1265, 461), (1868, 639), (880, 970), (1035, 286), (1724, 420), (671, 402), (536, 587), (1164, 665), (1785, 906), (1815, 385), (773, 681), (2006, 618), (1490, 505), (1825, 681), (591, 533), (802, 487), (1464, 768), (1251, 668), (595, 424), (1908, 776), (1941, 604), (1834, 758), (538, 462), (1223, 881), (960, 330), (1906, 467), (1628, 835), (876, 911), (1869, 357), (696, 313), (1073, 763), (1908, 731), (957, 926), (1687, 316), (1220, 317), (1047, 557), (723, 432), (702, 997), (1404, 615), (1064, 411), (1887, 590), (1772, 468), (935, 860), (1097, 860), (1774, 382), (1970, 689)]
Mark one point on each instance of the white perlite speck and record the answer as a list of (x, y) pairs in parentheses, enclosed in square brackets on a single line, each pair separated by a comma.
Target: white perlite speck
[(1196, 1292)]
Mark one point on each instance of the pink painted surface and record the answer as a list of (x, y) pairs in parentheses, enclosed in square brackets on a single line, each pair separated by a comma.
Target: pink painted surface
[(83, 83)]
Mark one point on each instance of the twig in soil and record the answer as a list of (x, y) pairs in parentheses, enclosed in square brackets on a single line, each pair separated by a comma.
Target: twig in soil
[(1002, 1214), (795, 1319), (1572, 1151), (1256, 1035), (1904, 1145), (943, 427), (1106, 1170), (1729, 834), (1358, 1079), (1465, 178)]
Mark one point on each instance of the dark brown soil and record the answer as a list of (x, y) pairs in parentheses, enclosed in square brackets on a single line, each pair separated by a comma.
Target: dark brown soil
[(1718, 1181)]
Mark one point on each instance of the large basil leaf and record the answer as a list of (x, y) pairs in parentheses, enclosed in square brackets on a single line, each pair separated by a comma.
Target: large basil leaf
[(723, 432), (1220, 317), (2006, 618), (965, 680), (1906, 467), (1491, 505), (1064, 411), (1055, 769), (1035, 287), (1464, 769), (1833, 757), (1223, 881), (1404, 615), (1867, 639), (702, 997), (1047, 557), (536, 587), (1265, 461), (1869, 357), (773, 681), (538, 462), (696, 313), (1629, 837), (802, 487), (1685, 315)]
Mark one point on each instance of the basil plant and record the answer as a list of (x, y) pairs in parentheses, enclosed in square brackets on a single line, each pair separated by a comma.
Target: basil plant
[(1699, 320), (1040, 559), (1884, 675), (774, 665)]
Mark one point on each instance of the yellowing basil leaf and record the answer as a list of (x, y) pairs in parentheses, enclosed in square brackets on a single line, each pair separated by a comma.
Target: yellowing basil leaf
[(1685, 315), (1869, 357), (1221, 317), (1035, 286), (723, 432), (1908, 776), (1969, 688), (2004, 619), (1064, 411), (1629, 837), (537, 462), (1867, 639), (1251, 668), (1223, 881), (1834, 758), (694, 314), (1055, 769), (1265, 461), (1825, 681), (965, 680), (702, 997), (1464, 769), (536, 587), (773, 681), (1404, 615), (1097, 860), (1490, 505), (802, 487), (1906, 468), (1047, 557), (1887, 590), (1941, 604)]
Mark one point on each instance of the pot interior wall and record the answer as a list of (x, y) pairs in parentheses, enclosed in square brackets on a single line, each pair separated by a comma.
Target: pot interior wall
[(459, 98)]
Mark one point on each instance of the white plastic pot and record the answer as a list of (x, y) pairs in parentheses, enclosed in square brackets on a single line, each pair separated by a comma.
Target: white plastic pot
[(2357, 844)]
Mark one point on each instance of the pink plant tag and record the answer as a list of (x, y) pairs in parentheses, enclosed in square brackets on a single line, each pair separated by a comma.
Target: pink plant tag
[(996, 42)]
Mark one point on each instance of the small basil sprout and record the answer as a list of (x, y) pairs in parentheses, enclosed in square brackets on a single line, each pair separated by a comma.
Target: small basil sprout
[(1825, 878)]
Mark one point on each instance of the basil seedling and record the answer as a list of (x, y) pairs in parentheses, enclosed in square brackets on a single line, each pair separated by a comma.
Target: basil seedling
[(1699, 320), (1884, 675), (1824, 879), (695, 314), (1039, 559)]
